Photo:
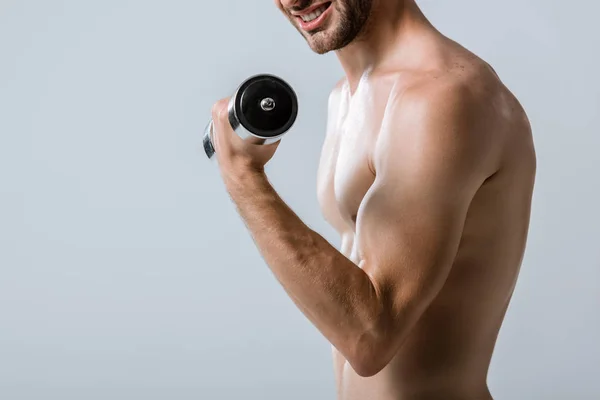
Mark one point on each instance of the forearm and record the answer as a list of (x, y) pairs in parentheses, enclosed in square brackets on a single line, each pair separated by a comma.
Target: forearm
[(334, 293)]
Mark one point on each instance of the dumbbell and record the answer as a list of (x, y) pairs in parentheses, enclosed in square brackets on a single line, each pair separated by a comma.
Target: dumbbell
[(263, 108)]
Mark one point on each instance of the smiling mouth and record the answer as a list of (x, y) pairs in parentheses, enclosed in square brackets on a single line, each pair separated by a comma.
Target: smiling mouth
[(315, 14), (313, 18)]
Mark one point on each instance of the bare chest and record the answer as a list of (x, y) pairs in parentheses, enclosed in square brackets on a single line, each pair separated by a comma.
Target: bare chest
[(345, 174)]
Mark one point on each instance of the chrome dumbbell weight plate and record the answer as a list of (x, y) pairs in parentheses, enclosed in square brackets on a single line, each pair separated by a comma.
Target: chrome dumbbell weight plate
[(263, 109)]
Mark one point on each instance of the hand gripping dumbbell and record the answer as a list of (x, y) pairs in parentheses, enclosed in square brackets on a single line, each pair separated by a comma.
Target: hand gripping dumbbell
[(263, 107)]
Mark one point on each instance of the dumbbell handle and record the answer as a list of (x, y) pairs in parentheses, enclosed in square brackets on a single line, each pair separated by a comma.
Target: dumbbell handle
[(207, 140), (209, 149), (238, 128)]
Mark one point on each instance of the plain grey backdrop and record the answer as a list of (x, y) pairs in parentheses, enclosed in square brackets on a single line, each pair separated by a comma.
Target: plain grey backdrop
[(125, 272)]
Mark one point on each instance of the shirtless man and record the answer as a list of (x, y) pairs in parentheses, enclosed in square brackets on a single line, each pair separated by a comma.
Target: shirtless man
[(427, 172)]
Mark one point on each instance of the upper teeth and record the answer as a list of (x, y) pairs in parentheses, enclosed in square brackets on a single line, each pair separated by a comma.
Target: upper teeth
[(315, 14)]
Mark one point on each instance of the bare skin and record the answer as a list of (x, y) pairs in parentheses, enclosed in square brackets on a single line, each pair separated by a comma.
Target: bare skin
[(427, 173)]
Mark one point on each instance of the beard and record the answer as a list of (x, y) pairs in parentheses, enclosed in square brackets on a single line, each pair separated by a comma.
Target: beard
[(346, 21)]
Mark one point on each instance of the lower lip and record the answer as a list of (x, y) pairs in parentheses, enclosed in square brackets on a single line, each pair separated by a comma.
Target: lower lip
[(315, 23)]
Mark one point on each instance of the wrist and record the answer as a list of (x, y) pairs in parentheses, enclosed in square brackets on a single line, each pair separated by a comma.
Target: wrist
[(240, 177)]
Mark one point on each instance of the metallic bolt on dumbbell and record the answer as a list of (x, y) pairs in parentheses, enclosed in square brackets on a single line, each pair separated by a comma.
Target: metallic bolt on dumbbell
[(263, 107)]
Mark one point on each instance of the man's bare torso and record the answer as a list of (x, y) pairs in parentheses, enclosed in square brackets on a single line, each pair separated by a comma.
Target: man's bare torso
[(447, 354)]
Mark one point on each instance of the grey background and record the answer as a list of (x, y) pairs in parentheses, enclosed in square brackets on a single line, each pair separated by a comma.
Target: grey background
[(125, 272)]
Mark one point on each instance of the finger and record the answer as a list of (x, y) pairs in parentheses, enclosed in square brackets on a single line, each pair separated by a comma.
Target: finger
[(272, 146), (221, 126), (218, 108), (267, 149), (254, 140), (219, 112)]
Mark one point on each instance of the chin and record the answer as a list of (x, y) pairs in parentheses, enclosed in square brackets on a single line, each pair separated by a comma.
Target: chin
[(320, 43), (319, 48)]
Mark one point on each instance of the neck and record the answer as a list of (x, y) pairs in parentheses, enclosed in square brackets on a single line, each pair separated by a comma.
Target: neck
[(387, 39)]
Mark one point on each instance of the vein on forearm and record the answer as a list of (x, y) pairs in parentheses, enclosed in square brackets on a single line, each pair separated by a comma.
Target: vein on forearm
[(333, 292)]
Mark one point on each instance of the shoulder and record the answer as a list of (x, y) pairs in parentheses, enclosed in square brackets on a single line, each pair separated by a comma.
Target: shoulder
[(445, 117), (444, 95), (460, 103)]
